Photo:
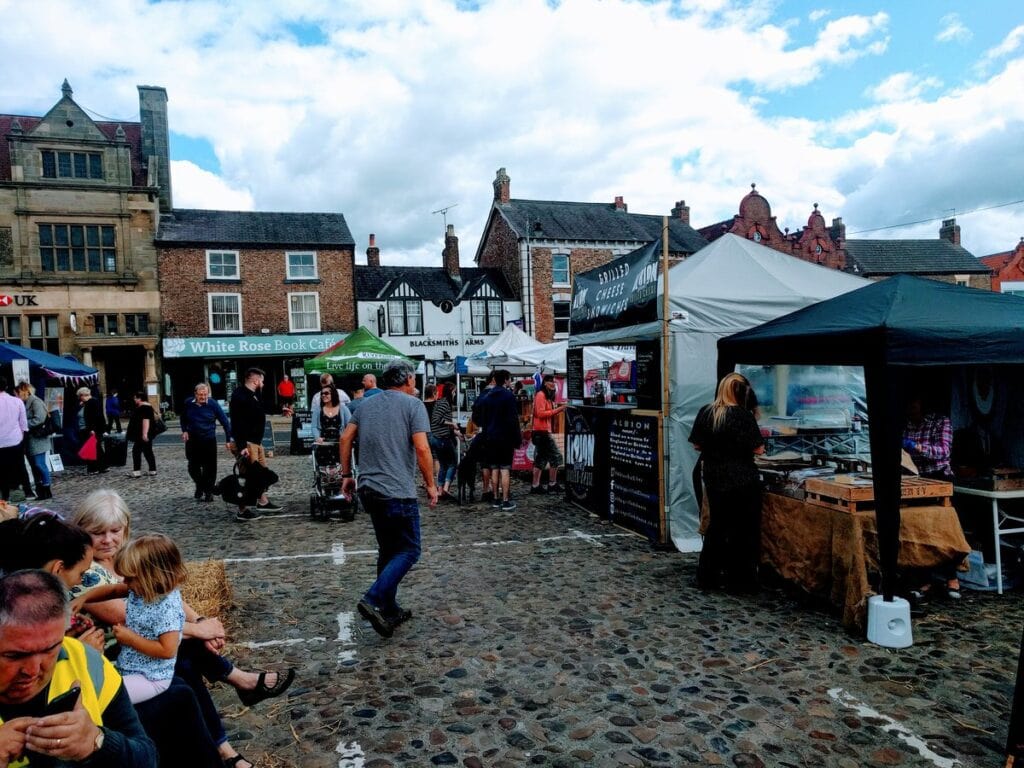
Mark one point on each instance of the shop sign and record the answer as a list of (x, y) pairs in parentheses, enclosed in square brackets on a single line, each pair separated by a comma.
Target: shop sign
[(21, 300), (444, 342), (635, 493), (250, 346), (621, 293)]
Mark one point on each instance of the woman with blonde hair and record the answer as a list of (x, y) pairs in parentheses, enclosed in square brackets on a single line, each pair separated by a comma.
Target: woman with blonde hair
[(728, 437)]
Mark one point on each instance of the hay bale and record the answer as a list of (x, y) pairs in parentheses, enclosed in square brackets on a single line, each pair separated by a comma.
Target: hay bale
[(207, 589)]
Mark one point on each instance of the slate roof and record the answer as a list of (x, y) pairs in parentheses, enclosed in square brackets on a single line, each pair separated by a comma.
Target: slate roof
[(189, 226), (921, 257), (595, 221), (430, 283), (132, 134)]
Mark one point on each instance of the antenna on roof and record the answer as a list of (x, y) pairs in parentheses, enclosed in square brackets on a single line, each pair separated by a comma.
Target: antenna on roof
[(444, 214)]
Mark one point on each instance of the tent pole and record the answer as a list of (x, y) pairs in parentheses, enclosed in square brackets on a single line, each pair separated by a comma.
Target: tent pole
[(666, 405)]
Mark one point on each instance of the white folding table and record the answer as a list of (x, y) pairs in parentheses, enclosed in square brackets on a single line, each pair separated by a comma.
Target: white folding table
[(999, 519)]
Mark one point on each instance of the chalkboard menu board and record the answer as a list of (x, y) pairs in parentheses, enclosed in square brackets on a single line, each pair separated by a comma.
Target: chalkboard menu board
[(586, 458), (574, 373), (648, 375), (635, 487)]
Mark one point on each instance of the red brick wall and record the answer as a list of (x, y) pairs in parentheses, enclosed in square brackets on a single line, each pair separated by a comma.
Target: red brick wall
[(501, 250), (184, 288), (580, 260), (1013, 270)]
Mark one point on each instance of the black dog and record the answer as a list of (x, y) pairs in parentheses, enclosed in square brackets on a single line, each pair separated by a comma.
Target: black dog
[(466, 474)]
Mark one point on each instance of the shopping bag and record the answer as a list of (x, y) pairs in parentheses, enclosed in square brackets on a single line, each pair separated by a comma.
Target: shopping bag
[(88, 450)]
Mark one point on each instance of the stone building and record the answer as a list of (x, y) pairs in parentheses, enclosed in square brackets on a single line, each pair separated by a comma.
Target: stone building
[(243, 289), (539, 245), (434, 313), (1007, 269), (79, 203)]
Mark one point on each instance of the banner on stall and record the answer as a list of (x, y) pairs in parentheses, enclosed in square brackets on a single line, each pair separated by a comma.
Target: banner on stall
[(621, 293)]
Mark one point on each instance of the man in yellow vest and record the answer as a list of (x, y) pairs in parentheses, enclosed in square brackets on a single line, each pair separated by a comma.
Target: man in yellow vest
[(38, 664)]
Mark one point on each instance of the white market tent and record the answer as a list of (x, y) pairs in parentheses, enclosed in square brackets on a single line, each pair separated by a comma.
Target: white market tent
[(494, 354), (728, 286)]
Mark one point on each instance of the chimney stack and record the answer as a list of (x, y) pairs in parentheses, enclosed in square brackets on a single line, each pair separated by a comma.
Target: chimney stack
[(619, 205), (681, 212), (450, 254), (502, 186), (838, 231), (373, 253), (950, 231), (156, 142)]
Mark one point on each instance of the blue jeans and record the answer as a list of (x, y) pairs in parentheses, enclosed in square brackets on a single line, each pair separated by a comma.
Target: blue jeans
[(40, 468), (396, 522), (444, 452)]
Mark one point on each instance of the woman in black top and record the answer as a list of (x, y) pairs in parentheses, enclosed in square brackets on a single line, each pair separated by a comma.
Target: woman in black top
[(140, 432), (727, 435)]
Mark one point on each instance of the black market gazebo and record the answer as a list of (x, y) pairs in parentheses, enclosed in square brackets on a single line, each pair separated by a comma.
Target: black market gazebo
[(890, 328)]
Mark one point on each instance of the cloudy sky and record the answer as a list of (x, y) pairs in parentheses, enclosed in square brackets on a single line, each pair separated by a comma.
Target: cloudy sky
[(883, 113)]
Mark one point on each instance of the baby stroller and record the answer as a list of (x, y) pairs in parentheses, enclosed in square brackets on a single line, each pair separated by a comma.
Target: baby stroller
[(327, 499)]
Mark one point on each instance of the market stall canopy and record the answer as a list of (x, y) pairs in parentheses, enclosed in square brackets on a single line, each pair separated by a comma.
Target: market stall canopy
[(359, 352), (62, 369), (513, 336)]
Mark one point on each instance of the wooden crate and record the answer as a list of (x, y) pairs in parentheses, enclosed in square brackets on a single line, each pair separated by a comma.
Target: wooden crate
[(829, 492)]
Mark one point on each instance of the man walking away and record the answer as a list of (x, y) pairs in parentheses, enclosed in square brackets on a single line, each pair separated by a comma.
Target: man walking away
[(113, 409), (248, 421), (13, 426), (199, 433), (546, 453), (392, 430), (478, 415), (501, 425)]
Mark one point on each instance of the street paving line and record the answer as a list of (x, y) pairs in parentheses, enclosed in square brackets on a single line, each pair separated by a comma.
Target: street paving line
[(345, 620), (290, 641), (351, 755), (338, 554), (916, 742)]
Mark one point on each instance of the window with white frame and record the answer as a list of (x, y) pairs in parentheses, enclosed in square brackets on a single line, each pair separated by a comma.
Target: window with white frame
[(962, 280), (303, 312), (560, 306), (560, 269), (405, 317), (488, 316), (222, 265), (301, 265), (225, 312)]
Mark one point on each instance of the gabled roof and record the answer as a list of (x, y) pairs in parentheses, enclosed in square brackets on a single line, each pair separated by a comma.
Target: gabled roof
[(997, 262), (430, 283), (555, 220), (132, 135), (922, 257), (188, 226)]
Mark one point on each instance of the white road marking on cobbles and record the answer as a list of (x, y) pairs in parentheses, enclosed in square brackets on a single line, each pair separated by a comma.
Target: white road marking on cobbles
[(351, 755), (323, 555), (345, 636), (338, 554), (850, 702), (290, 641)]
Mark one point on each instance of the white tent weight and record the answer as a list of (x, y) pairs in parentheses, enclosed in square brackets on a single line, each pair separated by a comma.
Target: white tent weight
[(728, 286)]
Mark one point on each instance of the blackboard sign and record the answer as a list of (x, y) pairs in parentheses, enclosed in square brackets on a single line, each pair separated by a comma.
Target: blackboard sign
[(648, 375), (586, 458), (302, 433), (635, 486), (268, 438), (574, 373)]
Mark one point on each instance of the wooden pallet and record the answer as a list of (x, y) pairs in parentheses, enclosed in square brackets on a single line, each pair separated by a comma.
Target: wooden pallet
[(828, 492)]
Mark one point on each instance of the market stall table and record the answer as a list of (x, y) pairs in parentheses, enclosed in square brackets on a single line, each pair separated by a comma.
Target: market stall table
[(830, 552), (999, 518)]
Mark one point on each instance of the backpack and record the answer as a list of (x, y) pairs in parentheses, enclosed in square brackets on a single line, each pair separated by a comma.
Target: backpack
[(45, 429)]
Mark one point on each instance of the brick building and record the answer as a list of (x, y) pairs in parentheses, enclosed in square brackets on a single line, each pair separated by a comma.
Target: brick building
[(242, 289), (539, 245), (1007, 269), (79, 203)]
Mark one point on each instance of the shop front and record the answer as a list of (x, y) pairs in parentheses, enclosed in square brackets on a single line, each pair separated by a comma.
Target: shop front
[(223, 361)]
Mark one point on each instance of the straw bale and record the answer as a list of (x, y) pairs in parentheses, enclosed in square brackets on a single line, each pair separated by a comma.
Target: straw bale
[(207, 589)]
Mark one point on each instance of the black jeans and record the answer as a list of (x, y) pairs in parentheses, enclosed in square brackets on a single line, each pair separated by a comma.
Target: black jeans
[(195, 661), (142, 448), (12, 469), (732, 542), (202, 462)]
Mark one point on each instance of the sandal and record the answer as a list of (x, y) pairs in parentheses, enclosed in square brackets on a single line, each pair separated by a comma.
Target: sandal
[(263, 691), (233, 761)]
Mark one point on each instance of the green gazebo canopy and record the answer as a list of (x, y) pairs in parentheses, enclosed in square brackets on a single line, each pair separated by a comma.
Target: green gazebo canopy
[(359, 352)]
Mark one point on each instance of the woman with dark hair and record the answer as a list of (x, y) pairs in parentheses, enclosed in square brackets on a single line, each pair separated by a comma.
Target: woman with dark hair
[(728, 437), (442, 441), (331, 417)]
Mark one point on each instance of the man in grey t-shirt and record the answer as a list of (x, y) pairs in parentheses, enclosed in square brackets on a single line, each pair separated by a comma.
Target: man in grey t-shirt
[(392, 430)]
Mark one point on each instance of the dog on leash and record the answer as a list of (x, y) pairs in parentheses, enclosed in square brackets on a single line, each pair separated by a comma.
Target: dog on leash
[(466, 474)]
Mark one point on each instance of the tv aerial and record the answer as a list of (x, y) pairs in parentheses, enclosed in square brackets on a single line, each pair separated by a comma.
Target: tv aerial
[(444, 213)]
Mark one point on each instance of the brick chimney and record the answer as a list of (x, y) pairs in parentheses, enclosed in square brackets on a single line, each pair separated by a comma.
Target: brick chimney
[(838, 231), (681, 212), (502, 186), (620, 205), (373, 253), (450, 254), (950, 230)]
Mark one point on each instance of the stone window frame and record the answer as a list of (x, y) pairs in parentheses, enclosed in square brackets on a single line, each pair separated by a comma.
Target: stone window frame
[(48, 338), (50, 160), (223, 252), (101, 323), (556, 299), (137, 324), (288, 265), (7, 329), (102, 247), (210, 314), (291, 311), (555, 273)]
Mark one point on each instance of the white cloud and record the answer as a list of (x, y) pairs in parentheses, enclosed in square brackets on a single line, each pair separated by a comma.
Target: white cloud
[(902, 86), (192, 187), (818, 14), (953, 29), (1011, 43)]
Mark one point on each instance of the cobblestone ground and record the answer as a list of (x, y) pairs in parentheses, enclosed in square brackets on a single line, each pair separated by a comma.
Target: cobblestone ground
[(544, 637)]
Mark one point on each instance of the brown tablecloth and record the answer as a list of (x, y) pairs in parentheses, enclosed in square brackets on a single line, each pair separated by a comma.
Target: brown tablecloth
[(830, 553)]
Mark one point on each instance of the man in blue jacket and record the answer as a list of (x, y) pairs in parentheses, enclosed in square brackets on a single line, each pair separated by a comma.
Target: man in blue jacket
[(199, 433), (500, 416)]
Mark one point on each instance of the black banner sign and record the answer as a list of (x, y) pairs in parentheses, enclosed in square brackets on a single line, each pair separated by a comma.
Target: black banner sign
[(574, 373), (635, 491), (586, 459), (648, 375), (621, 293)]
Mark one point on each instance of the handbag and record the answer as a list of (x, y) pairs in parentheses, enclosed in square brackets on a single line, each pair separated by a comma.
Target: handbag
[(88, 450), (158, 427), (45, 429)]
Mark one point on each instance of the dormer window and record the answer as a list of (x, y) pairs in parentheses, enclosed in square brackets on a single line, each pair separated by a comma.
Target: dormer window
[(72, 165), (405, 312)]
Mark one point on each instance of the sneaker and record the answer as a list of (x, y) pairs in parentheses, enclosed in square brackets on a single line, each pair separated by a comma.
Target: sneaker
[(538, 489), (953, 594), (30, 496), (245, 515), (556, 488), (269, 507), (372, 614), (496, 503), (401, 617), (134, 475), (509, 506), (151, 472)]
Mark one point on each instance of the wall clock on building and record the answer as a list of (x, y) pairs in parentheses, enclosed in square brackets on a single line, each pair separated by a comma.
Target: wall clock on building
[(447, 307)]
